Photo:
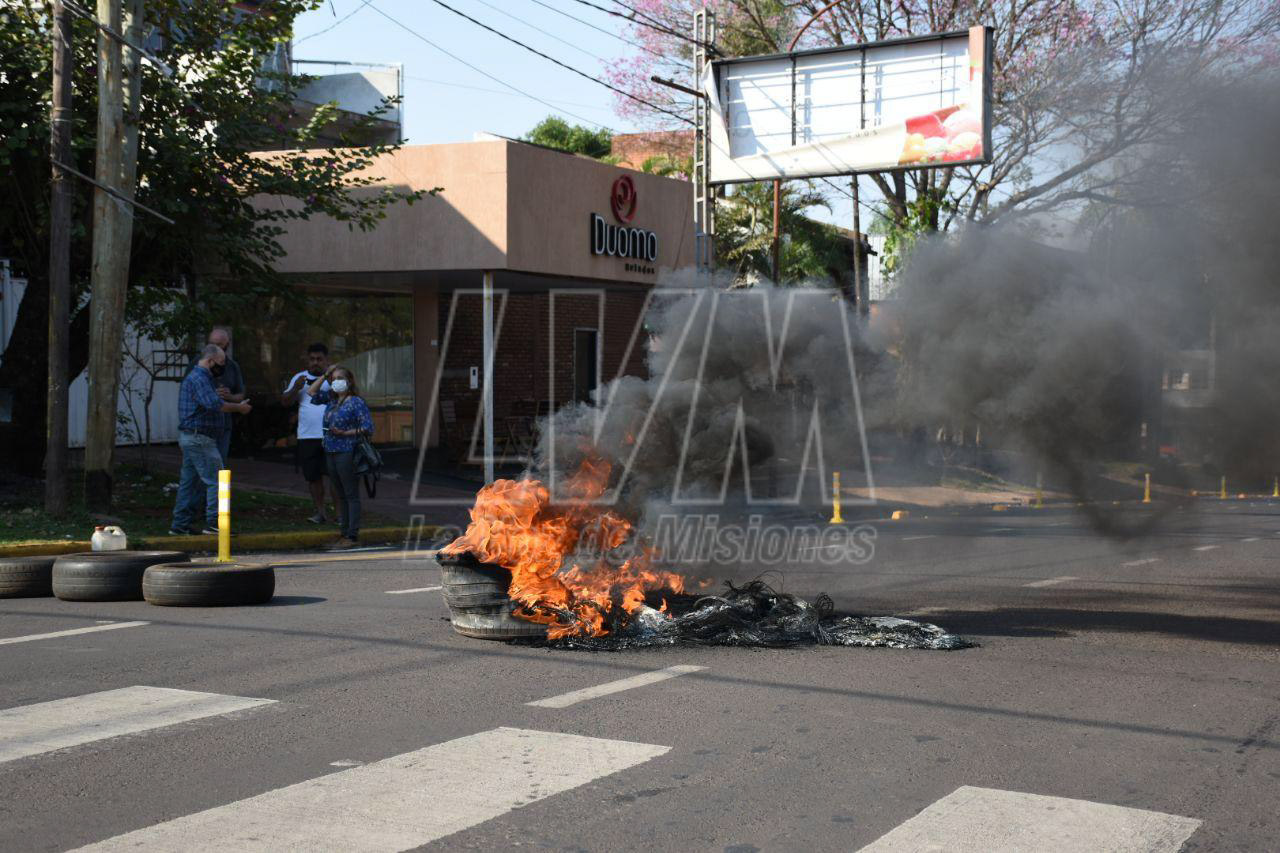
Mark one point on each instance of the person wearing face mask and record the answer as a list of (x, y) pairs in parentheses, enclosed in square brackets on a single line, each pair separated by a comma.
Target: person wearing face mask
[(201, 411), (346, 418), (228, 381)]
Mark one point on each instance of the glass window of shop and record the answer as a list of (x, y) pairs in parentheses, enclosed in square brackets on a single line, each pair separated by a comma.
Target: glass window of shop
[(369, 333)]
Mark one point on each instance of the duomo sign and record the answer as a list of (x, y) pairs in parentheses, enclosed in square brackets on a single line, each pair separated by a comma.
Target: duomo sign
[(622, 241)]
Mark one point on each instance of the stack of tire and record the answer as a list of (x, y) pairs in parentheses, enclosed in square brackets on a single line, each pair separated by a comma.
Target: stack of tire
[(164, 578), (479, 606)]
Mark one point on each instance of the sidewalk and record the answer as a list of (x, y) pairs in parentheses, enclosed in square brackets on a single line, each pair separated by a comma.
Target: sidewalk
[(392, 501)]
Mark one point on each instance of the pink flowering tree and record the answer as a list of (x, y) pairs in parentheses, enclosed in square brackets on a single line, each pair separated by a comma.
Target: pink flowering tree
[(1080, 87)]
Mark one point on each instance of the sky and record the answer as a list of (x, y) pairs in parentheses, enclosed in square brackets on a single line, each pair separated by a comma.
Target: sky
[(446, 101)]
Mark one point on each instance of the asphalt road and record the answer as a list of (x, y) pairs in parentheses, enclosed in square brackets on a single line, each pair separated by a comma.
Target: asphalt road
[(1135, 683)]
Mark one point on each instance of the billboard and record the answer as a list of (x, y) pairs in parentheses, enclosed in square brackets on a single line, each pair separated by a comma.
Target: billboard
[(912, 102)]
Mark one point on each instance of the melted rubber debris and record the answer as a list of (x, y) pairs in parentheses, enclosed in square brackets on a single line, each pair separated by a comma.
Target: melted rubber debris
[(756, 615)]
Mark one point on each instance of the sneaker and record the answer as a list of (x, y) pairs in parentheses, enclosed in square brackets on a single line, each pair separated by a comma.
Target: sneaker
[(318, 518), (178, 531), (210, 530)]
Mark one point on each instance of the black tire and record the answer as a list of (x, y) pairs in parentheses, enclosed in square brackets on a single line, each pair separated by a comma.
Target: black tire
[(26, 577), (106, 575), (479, 607), (208, 584)]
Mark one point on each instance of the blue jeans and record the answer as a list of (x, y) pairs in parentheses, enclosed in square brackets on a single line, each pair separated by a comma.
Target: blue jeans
[(199, 480)]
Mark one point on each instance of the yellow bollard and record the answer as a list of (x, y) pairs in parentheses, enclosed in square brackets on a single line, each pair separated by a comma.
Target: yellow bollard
[(1039, 491), (224, 516), (1222, 489), (1275, 490), (835, 498), (1146, 491)]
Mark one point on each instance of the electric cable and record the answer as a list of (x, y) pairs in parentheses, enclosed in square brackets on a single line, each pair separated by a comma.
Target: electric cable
[(599, 29), (334, 24), (563, 65), (659, 27), (578, 48), (496, 91), (481, 71)]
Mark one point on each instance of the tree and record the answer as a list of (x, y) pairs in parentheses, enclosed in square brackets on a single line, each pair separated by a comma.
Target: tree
[(811, 250), (1078, 85), (555, 132), (200, 138)]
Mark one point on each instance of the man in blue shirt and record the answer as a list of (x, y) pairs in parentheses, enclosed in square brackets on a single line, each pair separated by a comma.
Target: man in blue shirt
[(201, 423)]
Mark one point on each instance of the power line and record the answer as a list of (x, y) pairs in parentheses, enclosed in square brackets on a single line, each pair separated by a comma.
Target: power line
[(634, 11), (599, 29), (495, 91), (659, 27), (578, 48), (563, 65), (335, 23), (482, 72)]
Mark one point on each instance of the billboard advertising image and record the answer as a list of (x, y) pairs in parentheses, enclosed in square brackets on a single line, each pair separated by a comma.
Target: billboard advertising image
[(912, 102)]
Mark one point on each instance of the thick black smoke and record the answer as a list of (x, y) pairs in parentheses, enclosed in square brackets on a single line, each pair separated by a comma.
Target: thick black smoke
[(1063, 353), (740, 380)]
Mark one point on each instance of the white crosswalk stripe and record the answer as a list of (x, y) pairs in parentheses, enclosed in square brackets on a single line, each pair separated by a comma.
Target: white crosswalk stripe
[(33, 729), (986, 820), (564, 700), (400, 802)]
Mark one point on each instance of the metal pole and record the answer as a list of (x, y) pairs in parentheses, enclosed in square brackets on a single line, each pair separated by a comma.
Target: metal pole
[(486, 391), (55, 483), (860, 290), (777, 229), (224, 516)]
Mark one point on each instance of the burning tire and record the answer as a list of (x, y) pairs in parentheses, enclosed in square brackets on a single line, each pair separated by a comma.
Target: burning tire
[(106, 575), (479, 606), (208, 584), (26, 577)]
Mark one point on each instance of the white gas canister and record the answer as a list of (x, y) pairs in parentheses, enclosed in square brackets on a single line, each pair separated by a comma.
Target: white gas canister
[(109, 538)]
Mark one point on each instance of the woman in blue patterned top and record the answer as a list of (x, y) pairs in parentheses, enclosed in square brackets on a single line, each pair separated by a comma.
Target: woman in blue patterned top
[(346, 418)]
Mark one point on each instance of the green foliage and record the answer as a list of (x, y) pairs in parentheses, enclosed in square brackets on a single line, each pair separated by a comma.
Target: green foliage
[(668, 166), (923, 213), (199, 135), (810, 249), (555, 132)]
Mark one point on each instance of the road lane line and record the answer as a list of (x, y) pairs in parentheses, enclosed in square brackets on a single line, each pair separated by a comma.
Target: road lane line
[(1052, 581), (415, 589), (1204, 547), (564, 700), (401, 802), (1142, 562), (43, 727), (913, 538), (1002, 530), (978, 820), (1250, 539), (70, 632)]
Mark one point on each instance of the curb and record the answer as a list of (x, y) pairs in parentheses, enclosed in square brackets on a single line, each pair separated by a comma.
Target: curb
[(282, 541)]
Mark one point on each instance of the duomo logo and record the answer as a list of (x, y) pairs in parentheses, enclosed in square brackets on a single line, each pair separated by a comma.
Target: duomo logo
[(623, 199)]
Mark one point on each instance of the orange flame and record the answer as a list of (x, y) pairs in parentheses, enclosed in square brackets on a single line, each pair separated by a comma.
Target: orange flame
[(515, 525)]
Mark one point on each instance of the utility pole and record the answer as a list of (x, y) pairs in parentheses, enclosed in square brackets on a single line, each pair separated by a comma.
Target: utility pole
[(119, 84), (55, 460)]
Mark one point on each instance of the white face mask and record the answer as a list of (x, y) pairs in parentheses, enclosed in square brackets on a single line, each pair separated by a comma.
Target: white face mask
[(339, 386)]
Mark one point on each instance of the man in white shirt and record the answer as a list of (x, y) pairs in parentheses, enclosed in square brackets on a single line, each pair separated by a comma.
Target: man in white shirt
[(311, 426)]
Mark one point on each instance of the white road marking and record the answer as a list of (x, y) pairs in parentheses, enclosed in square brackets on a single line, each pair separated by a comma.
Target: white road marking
[(401, 802), (1052, 581), (70, 632), (46, 726), (1002, 530), (346, 763), (1204, 547), (1250, 539), (985, 820), (913, 538), (415, 589), (564, 700), (1143, 562)]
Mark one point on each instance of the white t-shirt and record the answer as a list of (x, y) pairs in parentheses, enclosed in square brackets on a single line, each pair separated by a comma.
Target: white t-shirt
[(310, 416)]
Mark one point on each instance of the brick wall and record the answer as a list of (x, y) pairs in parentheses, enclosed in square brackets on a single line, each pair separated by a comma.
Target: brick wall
[(522, 361)]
